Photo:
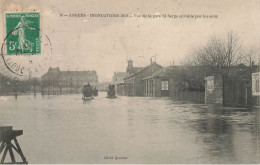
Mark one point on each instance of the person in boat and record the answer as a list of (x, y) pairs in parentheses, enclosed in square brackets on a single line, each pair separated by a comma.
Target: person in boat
[(87, 90), (111, 91), (95, 91), (84, 90), (113, 87), (88, 86)]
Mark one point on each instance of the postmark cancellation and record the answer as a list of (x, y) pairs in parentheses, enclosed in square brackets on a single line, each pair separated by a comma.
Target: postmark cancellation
[(26, 49)]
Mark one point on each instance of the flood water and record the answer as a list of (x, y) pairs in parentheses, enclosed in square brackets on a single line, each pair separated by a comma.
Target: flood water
[(66, 129)]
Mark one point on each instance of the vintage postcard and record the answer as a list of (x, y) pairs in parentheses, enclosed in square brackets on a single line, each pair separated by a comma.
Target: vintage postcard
[(130, 82)]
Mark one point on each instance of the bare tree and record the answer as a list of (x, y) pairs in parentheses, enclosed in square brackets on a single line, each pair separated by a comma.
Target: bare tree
[(218, 54), (250, 55)]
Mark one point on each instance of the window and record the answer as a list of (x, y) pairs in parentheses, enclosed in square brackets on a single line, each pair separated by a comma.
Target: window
[(255, 84), (164, 84), (210, 83)]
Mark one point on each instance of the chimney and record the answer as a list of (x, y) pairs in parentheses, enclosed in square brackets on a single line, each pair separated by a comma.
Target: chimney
[(151, 60), (129, 68), (130, 63)]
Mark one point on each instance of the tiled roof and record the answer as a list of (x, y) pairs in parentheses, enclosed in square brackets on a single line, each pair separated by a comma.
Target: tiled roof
[(120, 74), (165, 72), (70, 73), (141, 69)]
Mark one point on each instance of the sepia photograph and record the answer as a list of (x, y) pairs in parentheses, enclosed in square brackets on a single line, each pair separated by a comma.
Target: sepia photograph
[(130, 82)]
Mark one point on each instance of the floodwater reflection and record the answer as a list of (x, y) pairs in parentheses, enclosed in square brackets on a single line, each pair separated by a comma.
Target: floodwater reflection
[(66, 129)]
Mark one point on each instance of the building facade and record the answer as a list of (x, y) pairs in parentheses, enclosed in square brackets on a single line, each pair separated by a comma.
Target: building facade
[(175, 82), (57, 82), (240, 87), (118, 77), (134, 85), (161, 83)]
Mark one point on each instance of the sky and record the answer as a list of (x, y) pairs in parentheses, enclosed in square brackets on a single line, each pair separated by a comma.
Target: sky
[(105, 44)]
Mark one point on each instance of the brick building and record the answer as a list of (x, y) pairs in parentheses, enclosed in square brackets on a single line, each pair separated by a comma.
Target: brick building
[(164, 82), (56, 81), (134, 85)]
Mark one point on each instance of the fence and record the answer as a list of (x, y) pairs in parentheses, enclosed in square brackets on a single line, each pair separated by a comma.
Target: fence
[(198, 96)]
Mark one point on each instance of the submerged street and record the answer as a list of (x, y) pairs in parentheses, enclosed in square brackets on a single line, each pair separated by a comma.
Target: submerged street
[(66, 129)]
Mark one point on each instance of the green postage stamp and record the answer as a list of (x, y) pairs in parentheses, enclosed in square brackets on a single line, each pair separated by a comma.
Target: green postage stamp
[(23, 33), (26, 50)]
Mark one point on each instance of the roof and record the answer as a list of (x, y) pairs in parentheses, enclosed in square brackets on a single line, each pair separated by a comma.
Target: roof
[(165, 72), (77, 73), (136, 69), (71, 73), (141, 69), (120, 74)]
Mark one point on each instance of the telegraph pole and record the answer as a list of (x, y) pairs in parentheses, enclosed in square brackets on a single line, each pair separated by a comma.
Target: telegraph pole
[(77, 80), (15, 88), (34, 90)]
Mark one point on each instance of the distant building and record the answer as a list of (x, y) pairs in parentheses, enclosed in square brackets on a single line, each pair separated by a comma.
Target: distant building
[(57, 81), (103, 86), (134, 85), (118, 77)]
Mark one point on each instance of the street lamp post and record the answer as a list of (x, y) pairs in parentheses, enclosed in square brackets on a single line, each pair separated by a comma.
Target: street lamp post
[(53, 86), (66, 86), (7, 84), (34, 90), (42, 90), (15, 88), (49, 86)]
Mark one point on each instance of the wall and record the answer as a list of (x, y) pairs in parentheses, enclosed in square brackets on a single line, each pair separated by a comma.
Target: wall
[(214, 94), (255, 88), (136, 82), (197, 96), (139, 89), (157, 87), (139, 84), (129, 86), (172, 87)]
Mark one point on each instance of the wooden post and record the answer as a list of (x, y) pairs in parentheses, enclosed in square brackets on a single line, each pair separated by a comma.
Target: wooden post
[(11, 152), (4, 155), (205, 97), (19, 150), (246, 95), (237, 94), (6, 136)]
